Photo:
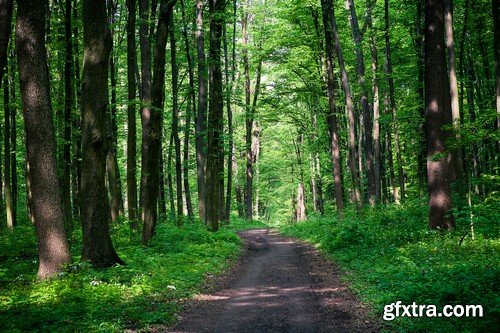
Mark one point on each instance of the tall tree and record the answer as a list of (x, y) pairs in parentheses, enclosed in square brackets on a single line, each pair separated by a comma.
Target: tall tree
[(9, 202), (333, 110), (495, 4), (6, 7), (175, 119), (438, 114), (456, 155), (365, 105), (215, 164), (47, 208), (392, 105), (97, 245), (68, 110), (201, 120), (151, 126), (131, 109), (190, 110), (353, 155)]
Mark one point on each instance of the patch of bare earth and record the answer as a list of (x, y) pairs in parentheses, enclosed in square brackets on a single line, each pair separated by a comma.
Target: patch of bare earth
[(279, 285)]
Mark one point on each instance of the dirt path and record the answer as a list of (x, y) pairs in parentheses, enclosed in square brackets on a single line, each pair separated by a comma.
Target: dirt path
[(280, 285)]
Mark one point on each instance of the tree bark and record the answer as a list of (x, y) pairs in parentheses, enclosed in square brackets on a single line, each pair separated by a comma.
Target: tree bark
[(53, 251), (151, 127), (326, 6), (367, 120), (201, 147), (215, 164), (97, 245), (190, 110), (5, 29), (456, 155), (353, 156), (175, 120), (131, 109), (9, 208), (376, 104), (438, 114), (496, 32), (392, 100)]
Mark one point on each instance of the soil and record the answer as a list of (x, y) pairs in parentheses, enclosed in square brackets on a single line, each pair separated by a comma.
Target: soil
[(279, 285)]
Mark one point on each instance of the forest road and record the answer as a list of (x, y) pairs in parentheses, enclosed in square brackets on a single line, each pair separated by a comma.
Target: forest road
[(279, 285)]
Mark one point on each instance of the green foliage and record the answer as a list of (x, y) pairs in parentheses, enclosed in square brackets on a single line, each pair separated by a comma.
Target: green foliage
[(389, 255), (146, 291)]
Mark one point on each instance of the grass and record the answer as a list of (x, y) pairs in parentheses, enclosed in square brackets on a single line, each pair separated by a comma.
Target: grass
[(147, 291), (389, 255)]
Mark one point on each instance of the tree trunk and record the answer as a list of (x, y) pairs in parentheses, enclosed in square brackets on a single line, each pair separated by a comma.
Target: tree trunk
[(175, 120), (190, 110), (353, 156), (151, 127), (131, 122), (496, 31), (53, 251), (376, 112), (327, 8), (170, 183), (97, 245), (201, 147), (13, 149), (229, 90), (9, 208), (5, 29), (438, 114), (456, 154), (68, 107), (392, 100), (248, 122), (115, 193), (367, 121), (215, 164)]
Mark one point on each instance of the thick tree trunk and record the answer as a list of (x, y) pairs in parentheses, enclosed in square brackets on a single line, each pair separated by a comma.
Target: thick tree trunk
[(367, 121), (97, 245), (438, 114), (151, 127), (353, 155), (131, 109), (392, 100), (215, 164), (326, 6), (53, 251), (201, 147)]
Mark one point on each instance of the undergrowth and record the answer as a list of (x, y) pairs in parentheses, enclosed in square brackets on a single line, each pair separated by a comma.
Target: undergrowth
[(147, 291), (389, 255)]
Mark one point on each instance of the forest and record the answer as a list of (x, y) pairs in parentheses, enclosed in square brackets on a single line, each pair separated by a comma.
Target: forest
[(139, 138)]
